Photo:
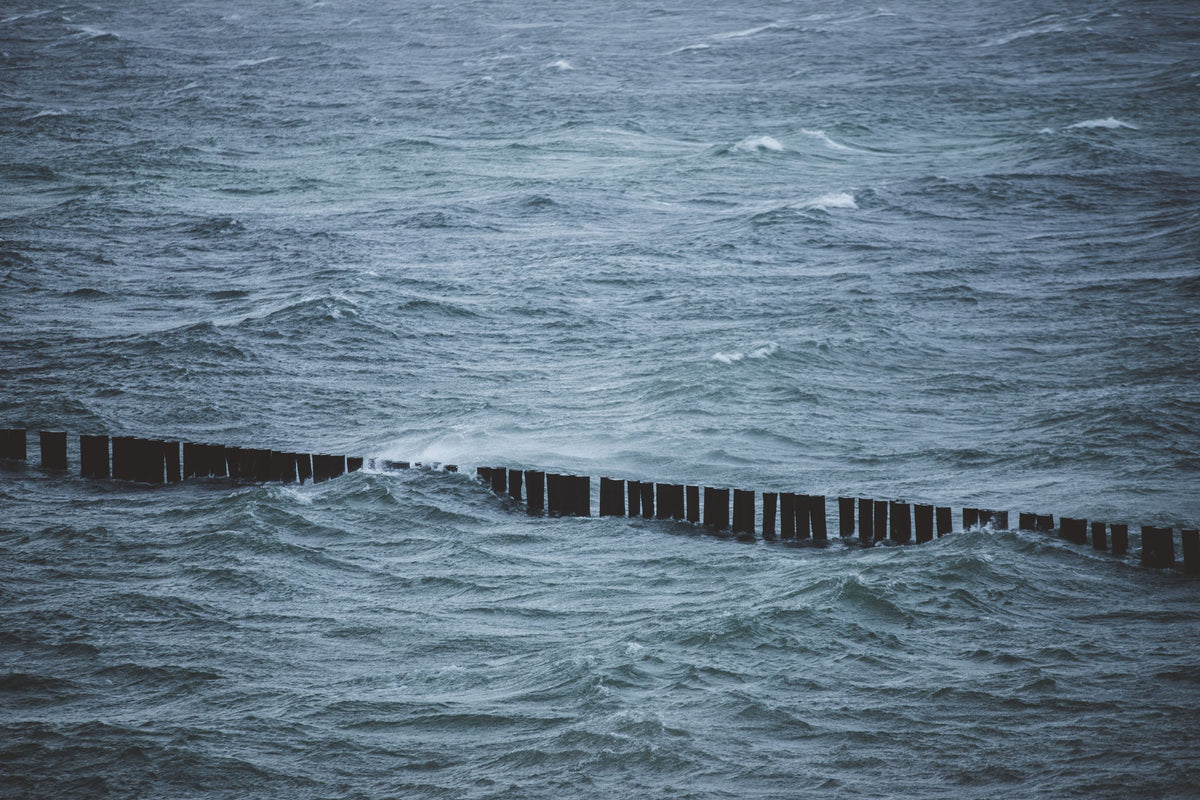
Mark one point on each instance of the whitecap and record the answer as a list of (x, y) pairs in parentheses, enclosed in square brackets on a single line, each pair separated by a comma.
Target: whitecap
[(689, 47), (254, 62), (748, 32), (50, 112), (561, 64), (728, 358), (1109, 122), (824, 138), (765, 351), (831, 200), (757, 143)]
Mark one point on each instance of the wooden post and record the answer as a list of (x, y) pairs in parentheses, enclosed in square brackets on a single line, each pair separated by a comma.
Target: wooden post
[(1026, 521), (634, 490), (171, 457), (304, 467), (1158, 547), (716, 508), (647, 490), (1099, 539), (535, 491), (1044, 522), (866, 521), (768, 519), (581, 495), (923, 516), (12, 444), (845, 517), (1191, 550), (787, 515), (612, 497), (514, 484), (945, 521), (1000, 520), (499, 477), (93, 456), (803, 510), (354, 463), (901, 522), (881, 520), (693, 504), (1073, 530), (54, 449), (970, 518), (743, 511), (554, 494), (670, 501), (1120, 538), (816, 516)]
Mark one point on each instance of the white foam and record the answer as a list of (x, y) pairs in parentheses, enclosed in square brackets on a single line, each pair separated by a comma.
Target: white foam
[(831, 200), (561, 64), (765, 351), (760, 352), (728, 358), (753, 144), (689, 47), (748, 32), (254, 62), (824, 139), (1109, 122), (50, 112)]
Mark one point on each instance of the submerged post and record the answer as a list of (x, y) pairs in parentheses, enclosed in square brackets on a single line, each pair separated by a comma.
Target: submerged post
[(635, 498), (499, 479), (866, 520), (901, 523), (787, 515), (1190, 538), (1099, 539), (670, 501), (881, 520), (923, 516), (612, 497), (93, 456), (1158, 547), (803, 507), (1073, 530), (54, 449), (12, 444), (716, 508), (945, 521), (1120, 538), (743, 511), (693, 504), (535, 491), (768, 518), (845, 517), (514, 484), (816, 516), (647, 489)]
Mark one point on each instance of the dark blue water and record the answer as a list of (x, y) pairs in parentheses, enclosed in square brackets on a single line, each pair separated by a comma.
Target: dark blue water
[(919, 251)]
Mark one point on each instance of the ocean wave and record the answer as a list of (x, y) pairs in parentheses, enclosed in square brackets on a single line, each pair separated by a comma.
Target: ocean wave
[(825, 139), (746, 33), (762, 351), (1110, 123), (756, 144)]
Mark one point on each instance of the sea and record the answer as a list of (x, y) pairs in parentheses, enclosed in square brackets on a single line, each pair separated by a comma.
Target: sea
[(917, 250)]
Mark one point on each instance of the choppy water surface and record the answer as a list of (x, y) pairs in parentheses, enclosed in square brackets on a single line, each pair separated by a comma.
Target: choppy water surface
[(915, 251)]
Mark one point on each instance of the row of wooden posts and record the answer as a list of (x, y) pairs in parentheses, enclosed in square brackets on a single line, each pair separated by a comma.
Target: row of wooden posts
[(803, 517), (800, 516)]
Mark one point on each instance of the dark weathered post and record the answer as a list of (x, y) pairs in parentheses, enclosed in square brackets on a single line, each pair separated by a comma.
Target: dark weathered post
[(866, 520), (1099, 538), (670, 501), (612, 497), (1190, 538), (901, 523), (304, 467), (816, 514), (1044, 522), (1000, 520), (845, 517), (218, 461), (693, 504), (1073, 530), (881, 520), (1027, 521), (716, 508), (743, 511), (945, 521), (647, 490), (354, 463), (803, 507), (499, 477), (514, 484), (970, 518), (581, 495), (12, 444), (54, 449), (787, 515), (93, 456), (923, 516), (1158, 547), (768, 519), (554, 494), (535, 491), (1120, 538), (635, 498), (171, 457)]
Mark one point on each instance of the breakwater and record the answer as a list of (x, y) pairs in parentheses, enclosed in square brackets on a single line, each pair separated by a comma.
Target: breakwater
[(746, 513)]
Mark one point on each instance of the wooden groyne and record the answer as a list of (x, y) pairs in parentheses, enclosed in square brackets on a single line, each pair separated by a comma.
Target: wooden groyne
[(745, 513)]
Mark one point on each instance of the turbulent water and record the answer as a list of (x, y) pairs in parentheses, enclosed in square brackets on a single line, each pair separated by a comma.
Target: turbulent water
[(931, 251)]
